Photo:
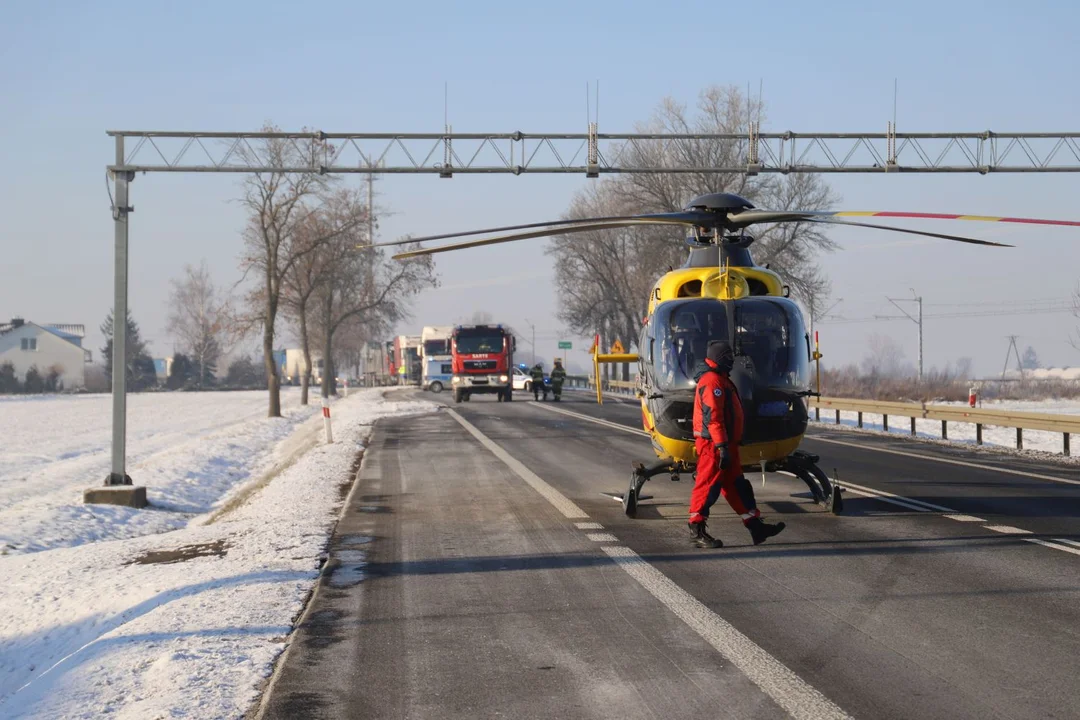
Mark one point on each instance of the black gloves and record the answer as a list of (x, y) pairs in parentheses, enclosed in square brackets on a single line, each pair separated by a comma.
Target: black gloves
[(725, 458)]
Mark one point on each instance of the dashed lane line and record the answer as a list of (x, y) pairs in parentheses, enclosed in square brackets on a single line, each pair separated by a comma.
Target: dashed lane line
[(1063, 548), (949, 461), (1007, 530), (788, 690), (882, 495)]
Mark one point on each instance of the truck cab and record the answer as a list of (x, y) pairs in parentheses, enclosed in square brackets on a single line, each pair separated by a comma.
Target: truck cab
[(482, 361)]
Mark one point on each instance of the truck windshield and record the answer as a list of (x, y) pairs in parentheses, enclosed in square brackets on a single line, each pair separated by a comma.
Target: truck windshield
[(478, 343), (437, 347)]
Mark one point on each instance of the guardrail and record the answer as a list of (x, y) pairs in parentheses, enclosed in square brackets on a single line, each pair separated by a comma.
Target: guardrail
[(1064, 424)]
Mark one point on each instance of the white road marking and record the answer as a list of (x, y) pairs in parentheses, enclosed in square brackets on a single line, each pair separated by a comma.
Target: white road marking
[(1063, 548), (562, 503), (1068, 542), (882, 495), (891, 499), (950, 461), (776, 680), (588, 526), (590, 418), (602, 537), (1007, 530)]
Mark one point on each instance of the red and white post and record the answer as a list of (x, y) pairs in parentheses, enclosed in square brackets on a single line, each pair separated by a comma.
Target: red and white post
[(326, 420)]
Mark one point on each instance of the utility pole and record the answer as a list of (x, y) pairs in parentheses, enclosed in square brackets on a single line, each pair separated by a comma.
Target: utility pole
[(916, 298), (529, 323), (1013, 348)]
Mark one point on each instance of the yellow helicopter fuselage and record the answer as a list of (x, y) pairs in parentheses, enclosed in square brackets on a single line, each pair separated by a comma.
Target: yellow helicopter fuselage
[(723, 284)]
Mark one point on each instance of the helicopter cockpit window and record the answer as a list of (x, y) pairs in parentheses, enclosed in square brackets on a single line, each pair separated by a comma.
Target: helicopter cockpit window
[(682, 330), (770, 331)]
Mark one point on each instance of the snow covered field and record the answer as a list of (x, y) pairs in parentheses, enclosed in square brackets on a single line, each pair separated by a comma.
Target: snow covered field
[(1038, 440), (189, 450), (174, 611)]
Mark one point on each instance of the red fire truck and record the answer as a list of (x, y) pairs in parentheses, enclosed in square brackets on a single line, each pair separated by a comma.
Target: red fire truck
[(483, 361)]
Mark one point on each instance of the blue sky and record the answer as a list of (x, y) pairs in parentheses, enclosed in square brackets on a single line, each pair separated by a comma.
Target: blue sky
[(69, 71)]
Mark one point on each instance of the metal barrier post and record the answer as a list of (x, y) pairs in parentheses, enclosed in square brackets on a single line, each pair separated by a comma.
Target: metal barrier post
[(885, 422), (1019, 438), (944, 430), (978, 433), (1066, 448)]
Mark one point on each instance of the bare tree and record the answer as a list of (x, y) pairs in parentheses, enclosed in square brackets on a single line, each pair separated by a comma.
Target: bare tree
[(604, 277), (199, 319), (361, 286), (318, 237), (277, 204)]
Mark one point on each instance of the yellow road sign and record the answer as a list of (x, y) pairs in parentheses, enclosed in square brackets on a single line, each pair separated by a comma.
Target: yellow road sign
[(617, 348)]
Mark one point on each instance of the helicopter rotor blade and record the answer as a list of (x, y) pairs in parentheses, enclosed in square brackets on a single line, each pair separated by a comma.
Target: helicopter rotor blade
[(852, 223), (753, 217), (547, 232), (692, 217)]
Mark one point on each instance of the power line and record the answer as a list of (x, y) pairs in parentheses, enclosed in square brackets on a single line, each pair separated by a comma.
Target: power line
[(1048, 310)]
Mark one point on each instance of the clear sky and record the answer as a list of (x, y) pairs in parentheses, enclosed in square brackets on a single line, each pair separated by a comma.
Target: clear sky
[(69, 71)]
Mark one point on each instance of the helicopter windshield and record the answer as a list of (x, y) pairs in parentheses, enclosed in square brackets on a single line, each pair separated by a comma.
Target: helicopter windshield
[(769, 330), (682, 330)]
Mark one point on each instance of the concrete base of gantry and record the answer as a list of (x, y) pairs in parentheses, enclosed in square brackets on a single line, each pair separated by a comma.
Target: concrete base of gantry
[(127, 495)]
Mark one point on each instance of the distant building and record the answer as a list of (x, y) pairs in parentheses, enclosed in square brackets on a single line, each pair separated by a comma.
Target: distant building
[(26, 344), (162, 368)]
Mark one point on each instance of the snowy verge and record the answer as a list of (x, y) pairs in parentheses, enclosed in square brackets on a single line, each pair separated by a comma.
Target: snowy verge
[(1039, 444), (190, 450), (194, 629)]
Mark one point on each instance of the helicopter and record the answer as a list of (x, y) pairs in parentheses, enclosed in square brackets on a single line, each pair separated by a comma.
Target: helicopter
[(720, 293)]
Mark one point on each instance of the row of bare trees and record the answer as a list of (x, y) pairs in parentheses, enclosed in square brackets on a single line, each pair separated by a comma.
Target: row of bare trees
[(604, 277), (305, 244)]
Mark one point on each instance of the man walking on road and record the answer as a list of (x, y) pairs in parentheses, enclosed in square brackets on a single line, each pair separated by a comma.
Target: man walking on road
[(558, 376), (537, 374), (718, 429)]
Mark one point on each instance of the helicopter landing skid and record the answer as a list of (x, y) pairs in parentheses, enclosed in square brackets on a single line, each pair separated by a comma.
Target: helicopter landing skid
[(640, 474), (804, 466)]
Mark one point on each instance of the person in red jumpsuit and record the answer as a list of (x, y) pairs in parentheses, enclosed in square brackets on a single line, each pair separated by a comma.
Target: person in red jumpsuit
[(718, 430)]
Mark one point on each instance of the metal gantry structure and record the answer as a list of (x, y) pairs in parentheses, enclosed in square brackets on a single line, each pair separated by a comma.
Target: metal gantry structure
[(516, 153)]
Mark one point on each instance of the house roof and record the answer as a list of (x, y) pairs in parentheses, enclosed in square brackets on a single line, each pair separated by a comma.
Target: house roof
[(67, 333)]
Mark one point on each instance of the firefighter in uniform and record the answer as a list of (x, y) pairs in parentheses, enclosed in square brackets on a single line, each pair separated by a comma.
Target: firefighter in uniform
[(558, 376), (718, 429), (537, 374)]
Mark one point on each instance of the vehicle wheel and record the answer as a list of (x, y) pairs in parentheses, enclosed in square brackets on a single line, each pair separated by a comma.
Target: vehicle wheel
[(458, 396), (466, 397), (436, 387), (528, 386)]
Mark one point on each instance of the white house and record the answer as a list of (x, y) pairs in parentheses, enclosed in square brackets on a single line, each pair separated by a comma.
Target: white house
[(25, 344)]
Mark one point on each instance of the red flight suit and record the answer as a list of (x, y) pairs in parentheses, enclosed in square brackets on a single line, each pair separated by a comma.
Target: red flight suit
[(718, 420)]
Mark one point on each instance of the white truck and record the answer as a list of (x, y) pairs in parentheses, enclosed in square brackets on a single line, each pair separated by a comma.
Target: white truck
[(294, 367), (436, 369)]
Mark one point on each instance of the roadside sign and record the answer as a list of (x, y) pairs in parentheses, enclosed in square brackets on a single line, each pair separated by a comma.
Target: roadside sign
[(617, 348), (565, 345)]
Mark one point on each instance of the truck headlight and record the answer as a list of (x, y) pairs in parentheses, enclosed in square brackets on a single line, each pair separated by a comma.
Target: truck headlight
[(455, 380), (503, 378)]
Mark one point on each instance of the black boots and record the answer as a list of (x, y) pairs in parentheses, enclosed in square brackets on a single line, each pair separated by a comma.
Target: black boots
[(701, 538), (761, 531)]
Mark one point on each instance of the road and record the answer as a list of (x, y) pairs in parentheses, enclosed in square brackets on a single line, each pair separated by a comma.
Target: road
[(479, 572)]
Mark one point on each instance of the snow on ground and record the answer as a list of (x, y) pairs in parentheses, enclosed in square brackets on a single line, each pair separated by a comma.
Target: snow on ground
[(964, 433), (88, 632), (189, 450)]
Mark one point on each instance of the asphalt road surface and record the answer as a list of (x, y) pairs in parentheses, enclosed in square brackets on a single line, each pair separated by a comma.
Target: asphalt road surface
[(479, 572)]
